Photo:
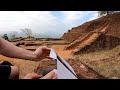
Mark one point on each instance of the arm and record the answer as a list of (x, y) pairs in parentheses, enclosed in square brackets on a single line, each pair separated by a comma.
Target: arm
[(10, 50)]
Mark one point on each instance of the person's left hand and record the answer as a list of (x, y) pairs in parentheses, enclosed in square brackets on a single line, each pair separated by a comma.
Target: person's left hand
[(41, 53)]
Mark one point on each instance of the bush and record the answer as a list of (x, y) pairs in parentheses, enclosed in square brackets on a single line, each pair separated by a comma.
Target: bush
[(5, 37)]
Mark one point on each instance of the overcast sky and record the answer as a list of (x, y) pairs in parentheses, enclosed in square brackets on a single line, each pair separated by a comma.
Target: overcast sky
[(44, 21)]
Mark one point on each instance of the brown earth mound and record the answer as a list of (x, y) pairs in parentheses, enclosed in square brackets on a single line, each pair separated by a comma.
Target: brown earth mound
[(83, 71), (101, 42), (101, 33)]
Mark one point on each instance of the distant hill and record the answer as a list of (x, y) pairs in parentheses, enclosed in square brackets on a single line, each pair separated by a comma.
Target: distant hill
[(98, 34)]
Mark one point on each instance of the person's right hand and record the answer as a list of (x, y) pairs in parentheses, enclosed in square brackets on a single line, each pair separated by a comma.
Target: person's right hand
[(41, 53), (50, 75), (32, 76)]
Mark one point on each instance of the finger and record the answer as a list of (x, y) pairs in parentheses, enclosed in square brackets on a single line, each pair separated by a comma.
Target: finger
[(49, 57), (46, 48), (50, 75), (55, 76), (47, 52), (32, 76), (36, 76)]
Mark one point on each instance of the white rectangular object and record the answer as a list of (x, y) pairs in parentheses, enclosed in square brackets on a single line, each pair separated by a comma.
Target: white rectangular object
[(63, 72)]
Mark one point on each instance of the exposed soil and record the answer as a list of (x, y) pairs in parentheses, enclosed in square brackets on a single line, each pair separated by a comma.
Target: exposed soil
[(95, 35)]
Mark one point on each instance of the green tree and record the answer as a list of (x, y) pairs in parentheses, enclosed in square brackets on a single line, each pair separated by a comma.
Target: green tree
[(102, 13), (5, 37)]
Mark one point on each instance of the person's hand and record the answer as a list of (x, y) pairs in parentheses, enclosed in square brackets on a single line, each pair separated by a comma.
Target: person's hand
[(41, 53), (32, 76), (50, 75)]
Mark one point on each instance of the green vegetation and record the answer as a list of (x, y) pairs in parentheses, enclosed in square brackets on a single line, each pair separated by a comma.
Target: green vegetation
[(102, 13), (5, 37)]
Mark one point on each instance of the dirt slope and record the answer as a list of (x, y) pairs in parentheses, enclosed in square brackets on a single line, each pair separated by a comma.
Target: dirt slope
[(93, 35)]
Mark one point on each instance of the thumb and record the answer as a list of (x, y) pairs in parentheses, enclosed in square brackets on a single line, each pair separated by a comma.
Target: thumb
[(36, 76), (50, 75)]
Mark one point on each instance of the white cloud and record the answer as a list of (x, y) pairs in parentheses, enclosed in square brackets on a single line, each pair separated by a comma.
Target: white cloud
[(38, 21), (41, 21), (71, 16), (75, 18)]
